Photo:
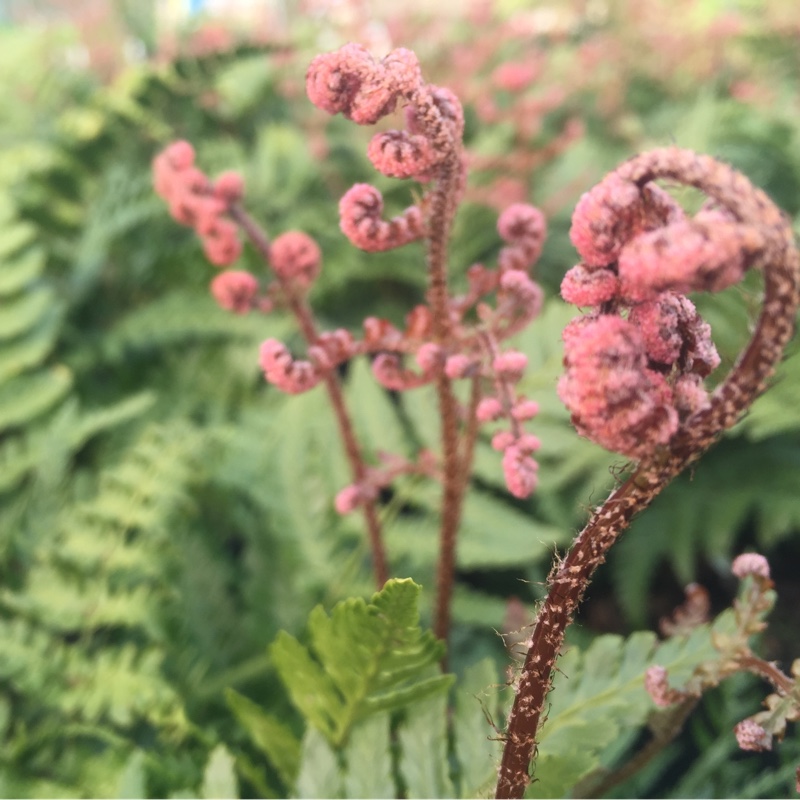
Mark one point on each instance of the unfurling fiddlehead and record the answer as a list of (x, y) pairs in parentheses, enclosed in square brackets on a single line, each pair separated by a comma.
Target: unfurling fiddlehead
[(635, 363)]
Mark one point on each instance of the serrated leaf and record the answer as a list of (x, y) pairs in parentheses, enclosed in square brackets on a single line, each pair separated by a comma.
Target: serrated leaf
[(24, 312), (219, 776), (18, 272), (368, 760), (271, 736), (133, 780), (319, 775), (24, 398), (423, 751), (477, 745), (29, 350), (362, 658), (604, 686)]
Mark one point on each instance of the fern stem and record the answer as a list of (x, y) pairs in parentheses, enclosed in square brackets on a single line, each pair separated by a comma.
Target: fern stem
[(358, 469), (768, 671), (439, 224), (568, 582)]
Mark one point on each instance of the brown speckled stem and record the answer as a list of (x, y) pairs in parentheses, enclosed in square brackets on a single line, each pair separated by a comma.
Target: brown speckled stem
[(358, 468)]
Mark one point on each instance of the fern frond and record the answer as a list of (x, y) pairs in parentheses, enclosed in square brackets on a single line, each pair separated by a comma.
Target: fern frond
[(423, 750), (602, 690), (28, 350), (21, 314), (362, 659), (320, 776), (271, 736), (25, 398), (182, 317), (18, 269)]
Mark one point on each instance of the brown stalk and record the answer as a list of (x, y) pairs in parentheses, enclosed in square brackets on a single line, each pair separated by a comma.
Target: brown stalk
[(347, 433), (569, 579), (442, 209)]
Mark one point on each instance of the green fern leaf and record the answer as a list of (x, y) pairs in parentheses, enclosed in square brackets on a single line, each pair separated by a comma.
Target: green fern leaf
[(363, 658), (14, 237), (376, 418), (320, 776), (20, 270), (478, 748), (29, 350), (219, 776), (603, 688), (368, 761), (493, 534), (133, 779), (182, 317), (423, 750), (24, 312), (777, 411), (271, 736), (26, 397)]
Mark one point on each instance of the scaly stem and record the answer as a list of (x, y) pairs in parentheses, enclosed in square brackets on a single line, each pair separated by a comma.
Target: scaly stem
[(358, 468), (768, 671), (781, 266), (439, 223)]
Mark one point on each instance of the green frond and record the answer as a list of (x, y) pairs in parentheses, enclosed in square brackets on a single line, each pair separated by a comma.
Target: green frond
[(26, 397), (704, 512), (368, 770), (493, 535), (22, 313), (363, 658), (219, 776), (602, 689), (320, 776), (185, 317), (66, 430), (423, 763), (478, 748), (274, 739), (18, 270), (375, 416), (28, 350)]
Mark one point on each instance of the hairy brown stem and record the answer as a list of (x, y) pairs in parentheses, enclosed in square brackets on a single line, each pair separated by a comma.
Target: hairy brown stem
[(347, 433), (746, 380), (768, 671), (440, 220)]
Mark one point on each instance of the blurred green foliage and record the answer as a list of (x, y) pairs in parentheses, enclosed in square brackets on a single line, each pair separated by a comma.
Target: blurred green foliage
[(164, 515)]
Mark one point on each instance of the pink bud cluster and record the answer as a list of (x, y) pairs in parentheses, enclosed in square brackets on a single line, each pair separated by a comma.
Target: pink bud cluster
[(656, 684), (295, 376), (360, 213), (352, 82), (296, 258), (752, 736), (750, 564), (196, 201), (235, 290), (635, 362)]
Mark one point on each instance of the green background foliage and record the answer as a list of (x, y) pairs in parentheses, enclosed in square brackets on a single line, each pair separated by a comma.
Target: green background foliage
[(166, 519)]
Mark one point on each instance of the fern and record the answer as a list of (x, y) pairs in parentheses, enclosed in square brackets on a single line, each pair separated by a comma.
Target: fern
[(363, 658), (703, 513), (599, 695), (27, 333)]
